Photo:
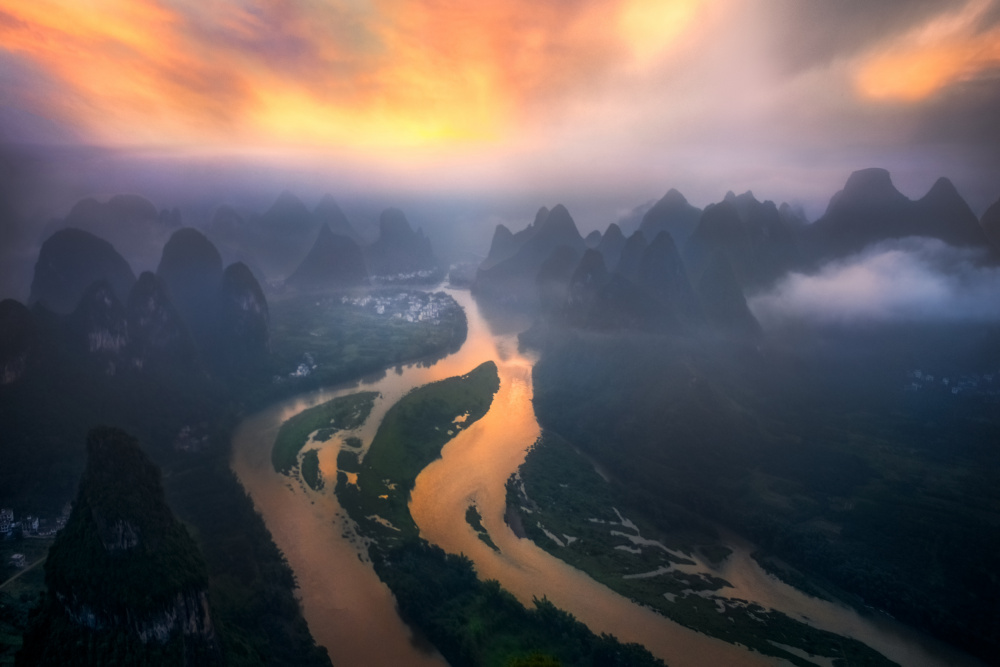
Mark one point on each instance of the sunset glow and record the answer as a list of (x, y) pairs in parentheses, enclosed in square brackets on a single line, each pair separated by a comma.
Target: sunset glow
[(948, 49), (381, 74), (576, 91)]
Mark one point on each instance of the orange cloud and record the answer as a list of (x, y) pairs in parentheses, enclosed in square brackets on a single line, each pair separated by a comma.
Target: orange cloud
[(338, 73), (948, 49)]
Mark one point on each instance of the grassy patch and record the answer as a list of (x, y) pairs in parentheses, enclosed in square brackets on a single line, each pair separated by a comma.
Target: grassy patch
[(344, 413), (475, 519), (346, 337), (19, 596), (348, 461), (411, 436), (471, 622), (715, 554), (310, 470), (561, 496)]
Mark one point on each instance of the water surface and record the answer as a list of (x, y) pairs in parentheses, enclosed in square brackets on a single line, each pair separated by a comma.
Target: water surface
[(352, 613)]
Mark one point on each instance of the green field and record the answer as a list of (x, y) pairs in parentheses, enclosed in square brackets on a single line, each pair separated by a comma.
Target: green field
[(18, 595), (310, 470), (322, 340), (475, 519), (345, 413), (817, 450), (411, 436), (471, 622), (559, 494)]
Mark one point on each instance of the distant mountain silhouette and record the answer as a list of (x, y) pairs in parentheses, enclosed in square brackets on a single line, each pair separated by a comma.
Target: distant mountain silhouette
[(990, 222), (592, 239), (398, 248), (244, 322), (722, 300), (611, 245), (160, 340), (672, 214), (720, 230), (131, 222), (552, 281), (18, 338), (191, 269), (587, 281), (281, 237), (629, 222), (631, 256), (120, 209), (328, 212), (124, 577), (793, 218), (869, 209), (620, 304), (503, 246), (227, 226), (99, 329), (287, 216), (943, 214), (663, 277), (511, 276), (335, 260), (774, 247), (69, 262)]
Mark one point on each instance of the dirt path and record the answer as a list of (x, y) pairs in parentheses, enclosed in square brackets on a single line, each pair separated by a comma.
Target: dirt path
[(26, 569)]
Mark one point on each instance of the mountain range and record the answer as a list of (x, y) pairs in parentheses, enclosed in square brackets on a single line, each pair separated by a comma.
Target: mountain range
[(686, 268)]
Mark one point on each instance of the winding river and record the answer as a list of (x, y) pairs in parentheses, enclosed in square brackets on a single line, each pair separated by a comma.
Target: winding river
[(352, 613)]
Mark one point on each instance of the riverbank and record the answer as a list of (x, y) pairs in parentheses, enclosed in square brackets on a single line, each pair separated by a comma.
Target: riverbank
[(575, 514), (472, 622)]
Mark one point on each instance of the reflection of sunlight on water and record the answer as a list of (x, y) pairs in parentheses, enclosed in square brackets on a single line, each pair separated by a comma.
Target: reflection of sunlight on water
[(352, 613), (474, 467)]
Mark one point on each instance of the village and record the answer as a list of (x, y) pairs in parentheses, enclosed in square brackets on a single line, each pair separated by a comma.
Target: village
[(408, 306), (968, 384), (14, 531)]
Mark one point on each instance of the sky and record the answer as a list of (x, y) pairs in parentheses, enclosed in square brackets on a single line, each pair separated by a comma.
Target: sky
[(785, 97)]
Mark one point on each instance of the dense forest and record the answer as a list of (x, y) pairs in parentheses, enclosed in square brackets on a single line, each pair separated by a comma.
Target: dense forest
[(815, 451)]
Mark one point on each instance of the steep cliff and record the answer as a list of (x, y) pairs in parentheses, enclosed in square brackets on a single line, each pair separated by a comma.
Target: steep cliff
[(70, 261), (244, 322), (126, 582)]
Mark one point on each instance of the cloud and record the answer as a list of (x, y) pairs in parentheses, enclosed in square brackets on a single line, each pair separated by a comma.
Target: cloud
[(955, 45), (908, 280), (640, 95)]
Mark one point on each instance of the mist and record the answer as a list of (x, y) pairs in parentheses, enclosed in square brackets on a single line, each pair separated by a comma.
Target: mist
[(916, 280)]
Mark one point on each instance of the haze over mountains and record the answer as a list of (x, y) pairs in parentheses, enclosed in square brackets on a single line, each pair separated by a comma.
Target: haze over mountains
[(683, 268), (700, 266), (727, 281)]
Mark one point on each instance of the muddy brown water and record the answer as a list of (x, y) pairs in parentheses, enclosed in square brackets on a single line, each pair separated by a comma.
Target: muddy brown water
[(352, 614)]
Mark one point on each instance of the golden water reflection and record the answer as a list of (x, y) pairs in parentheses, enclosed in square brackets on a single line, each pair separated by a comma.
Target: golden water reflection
[(353, 614)]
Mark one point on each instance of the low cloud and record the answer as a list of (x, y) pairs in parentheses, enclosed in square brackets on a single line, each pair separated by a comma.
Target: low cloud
[(907, 280)]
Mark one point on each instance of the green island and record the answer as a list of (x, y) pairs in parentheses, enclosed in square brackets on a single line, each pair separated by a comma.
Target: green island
[(572, 512), (345, 413), (471, 622), (250, 585), (410, 437), (310, 470), (475, 519)]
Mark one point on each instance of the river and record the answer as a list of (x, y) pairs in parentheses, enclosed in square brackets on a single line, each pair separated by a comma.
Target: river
[(352, 614)]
